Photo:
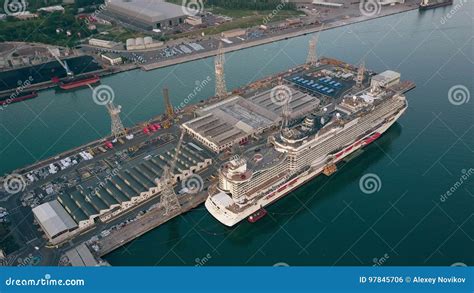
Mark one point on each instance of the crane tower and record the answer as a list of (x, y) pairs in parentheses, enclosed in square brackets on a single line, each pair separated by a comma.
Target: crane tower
[(116, 123), (169, 107), (312, 58), (360, 74), (169, 200)]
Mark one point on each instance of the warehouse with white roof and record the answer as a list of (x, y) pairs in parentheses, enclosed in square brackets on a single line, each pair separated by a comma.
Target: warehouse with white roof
[(54, 220), (148, 14), (237, 119)]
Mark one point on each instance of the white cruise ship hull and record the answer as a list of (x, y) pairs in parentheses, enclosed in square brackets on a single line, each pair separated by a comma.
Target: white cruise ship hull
[(229, 218)]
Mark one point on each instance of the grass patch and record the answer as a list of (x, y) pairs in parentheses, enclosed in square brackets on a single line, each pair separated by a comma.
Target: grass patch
[(116, 33), (252, 20)]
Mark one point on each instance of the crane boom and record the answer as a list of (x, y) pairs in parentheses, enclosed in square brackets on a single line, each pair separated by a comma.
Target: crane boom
[(178, 148), (63, 64), (169, 200)]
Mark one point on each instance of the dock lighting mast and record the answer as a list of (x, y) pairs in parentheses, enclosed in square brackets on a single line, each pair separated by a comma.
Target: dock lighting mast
[(169, 107), (360, 74), (169, 200), (312, 56), (221, 89), (116, 123)]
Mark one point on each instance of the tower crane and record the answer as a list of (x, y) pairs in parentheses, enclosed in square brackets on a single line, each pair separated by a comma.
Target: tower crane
[(169, 200), (63, 63)]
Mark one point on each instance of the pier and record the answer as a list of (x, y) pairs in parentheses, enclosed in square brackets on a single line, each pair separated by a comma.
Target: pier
[(149, 221)]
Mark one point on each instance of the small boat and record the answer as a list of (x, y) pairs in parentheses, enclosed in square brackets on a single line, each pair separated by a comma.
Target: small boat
[(13, 98), (257, 215)]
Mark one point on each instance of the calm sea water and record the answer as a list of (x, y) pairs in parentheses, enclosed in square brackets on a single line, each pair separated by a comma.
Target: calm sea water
[(328, 221)]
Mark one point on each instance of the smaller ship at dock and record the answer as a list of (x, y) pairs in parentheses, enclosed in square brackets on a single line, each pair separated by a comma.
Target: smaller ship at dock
[(257, 215), (430, 4), (15, 98), (76, 82)]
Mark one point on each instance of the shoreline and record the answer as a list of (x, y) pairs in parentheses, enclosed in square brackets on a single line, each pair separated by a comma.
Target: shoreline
[(284, 36), (232, 48), (187, 59)]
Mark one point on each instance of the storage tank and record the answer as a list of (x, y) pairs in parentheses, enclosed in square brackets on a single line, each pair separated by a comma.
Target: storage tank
[(130, 42), (139, 41), (148, 40)]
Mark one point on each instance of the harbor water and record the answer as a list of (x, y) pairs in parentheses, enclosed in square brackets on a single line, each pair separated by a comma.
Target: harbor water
[(417, 214)]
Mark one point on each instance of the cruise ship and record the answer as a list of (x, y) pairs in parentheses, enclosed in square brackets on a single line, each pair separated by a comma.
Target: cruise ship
[(305, 148)]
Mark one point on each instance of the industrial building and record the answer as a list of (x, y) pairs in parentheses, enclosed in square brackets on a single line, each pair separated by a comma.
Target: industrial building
[(236, 119), (101, 199), (54, 220), (234, 33), (147, 14), (81, 256), (193, 20), (385, 79), (142, 43), (112, 59), (102, 43)]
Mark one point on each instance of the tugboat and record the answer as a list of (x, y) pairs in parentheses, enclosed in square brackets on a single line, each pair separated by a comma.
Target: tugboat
[(429, 4), (257, 215), (17, 98)]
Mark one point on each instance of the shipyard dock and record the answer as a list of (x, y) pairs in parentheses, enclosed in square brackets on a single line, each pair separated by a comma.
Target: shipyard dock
[(145, 223), (110, 192)]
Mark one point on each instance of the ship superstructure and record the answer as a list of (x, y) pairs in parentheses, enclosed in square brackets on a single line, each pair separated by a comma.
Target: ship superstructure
[(348, 118)]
